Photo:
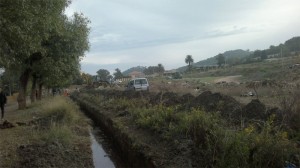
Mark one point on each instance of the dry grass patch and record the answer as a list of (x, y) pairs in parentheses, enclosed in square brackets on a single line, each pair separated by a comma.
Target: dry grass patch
[(52, 133)]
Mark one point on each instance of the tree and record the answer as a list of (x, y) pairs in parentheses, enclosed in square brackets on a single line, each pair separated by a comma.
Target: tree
[(26, 28), (189, 60), (160, 69), (103, 74), (118, 74), (263, 55), (293, 44), (87, 78), (221, 59)]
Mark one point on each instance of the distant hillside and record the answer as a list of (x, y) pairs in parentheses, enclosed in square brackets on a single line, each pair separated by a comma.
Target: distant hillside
[(138, 68), (230, 56)]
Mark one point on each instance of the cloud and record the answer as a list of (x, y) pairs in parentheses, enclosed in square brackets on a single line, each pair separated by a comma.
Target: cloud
[(147, 32)]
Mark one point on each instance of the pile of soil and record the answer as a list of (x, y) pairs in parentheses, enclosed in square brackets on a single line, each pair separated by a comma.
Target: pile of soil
[(228, 107), (217, 102), (6, 124), (254, 110)]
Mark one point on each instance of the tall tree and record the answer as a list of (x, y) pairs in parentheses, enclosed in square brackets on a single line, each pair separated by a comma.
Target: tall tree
[(103, 74), (189, 60), (160, 69), (88, 79), (25, 28), (118, 74), (221, 59)]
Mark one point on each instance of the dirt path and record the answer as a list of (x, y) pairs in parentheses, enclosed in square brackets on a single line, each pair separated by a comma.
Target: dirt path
[(227, 79)]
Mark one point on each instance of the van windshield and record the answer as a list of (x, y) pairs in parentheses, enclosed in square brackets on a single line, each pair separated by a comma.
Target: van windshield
[(140, 81)]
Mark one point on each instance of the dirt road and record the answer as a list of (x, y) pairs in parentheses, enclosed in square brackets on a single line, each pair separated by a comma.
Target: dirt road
[(234, 79)]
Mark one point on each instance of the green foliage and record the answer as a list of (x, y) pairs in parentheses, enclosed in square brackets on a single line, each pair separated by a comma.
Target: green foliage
[(118, 74), (61, 135), (158, 118), (154, 69), (59, 112), (189, 60), (103, 74), (221, 59), (56, 119), (38, 39), (176, 75)]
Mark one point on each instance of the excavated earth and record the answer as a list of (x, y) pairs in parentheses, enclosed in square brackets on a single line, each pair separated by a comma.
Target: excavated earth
[(143, 148)]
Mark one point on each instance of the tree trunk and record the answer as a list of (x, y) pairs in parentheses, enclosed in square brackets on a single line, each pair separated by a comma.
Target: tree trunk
[(40, 91), (33, 94), (23, 88)]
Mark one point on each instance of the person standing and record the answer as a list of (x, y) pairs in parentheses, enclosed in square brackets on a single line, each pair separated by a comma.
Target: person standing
[(2, 102)]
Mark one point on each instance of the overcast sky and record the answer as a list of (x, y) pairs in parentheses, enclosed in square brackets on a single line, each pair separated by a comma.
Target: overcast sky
[(127, 33)]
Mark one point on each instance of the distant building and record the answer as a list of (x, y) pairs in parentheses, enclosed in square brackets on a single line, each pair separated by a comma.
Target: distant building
[(169, 73), (136, 74)]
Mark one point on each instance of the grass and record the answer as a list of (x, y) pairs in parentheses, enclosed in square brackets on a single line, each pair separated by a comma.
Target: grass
[(54, 123)]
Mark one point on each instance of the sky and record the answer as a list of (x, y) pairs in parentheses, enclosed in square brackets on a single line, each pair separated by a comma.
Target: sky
[(128, 33)]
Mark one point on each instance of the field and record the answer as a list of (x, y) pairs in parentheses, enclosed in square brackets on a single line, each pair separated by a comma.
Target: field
[(237, 116)]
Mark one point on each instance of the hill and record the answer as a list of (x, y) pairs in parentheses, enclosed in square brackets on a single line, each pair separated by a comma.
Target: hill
[(230, 56), (137, 68)]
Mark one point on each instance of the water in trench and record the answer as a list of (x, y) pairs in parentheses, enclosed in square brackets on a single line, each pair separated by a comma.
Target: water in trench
[(104, 155)]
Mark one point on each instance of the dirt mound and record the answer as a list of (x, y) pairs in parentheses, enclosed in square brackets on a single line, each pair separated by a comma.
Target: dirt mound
[(209, 101), (186, 98), (166, 99), (254, 110), (6, 124)]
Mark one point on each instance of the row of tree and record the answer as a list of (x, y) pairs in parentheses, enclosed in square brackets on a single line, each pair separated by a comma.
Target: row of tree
[(159, 69), (40, 43)]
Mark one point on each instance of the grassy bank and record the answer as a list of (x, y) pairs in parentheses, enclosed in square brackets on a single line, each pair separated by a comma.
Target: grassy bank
[(183, 137), (50, 133)]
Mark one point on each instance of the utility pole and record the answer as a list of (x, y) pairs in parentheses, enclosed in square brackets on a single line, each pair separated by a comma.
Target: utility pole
[(281, 58)]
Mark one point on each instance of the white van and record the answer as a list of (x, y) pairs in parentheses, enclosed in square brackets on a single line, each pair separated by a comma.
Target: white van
[(138, 84)]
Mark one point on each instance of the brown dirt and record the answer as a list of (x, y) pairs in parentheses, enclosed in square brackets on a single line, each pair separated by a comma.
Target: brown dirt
[(229, 107)]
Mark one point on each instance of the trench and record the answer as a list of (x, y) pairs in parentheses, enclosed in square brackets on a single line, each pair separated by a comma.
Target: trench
[(119, 147), (104, 154)]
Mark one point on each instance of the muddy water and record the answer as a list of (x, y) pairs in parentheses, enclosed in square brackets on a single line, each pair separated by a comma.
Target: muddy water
[(104, 155)]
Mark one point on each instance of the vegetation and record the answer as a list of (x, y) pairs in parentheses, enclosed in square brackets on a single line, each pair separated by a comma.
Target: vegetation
[(238, 57), (221, 59), (215, 142), (103, 74), (137, 68), (41, 43), (154, 69), (118, 74), (51, 132), (189, 60)]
